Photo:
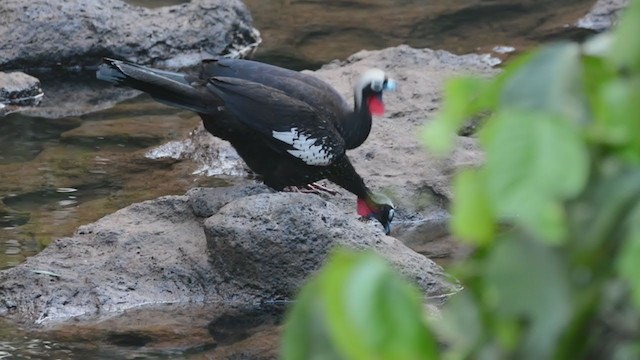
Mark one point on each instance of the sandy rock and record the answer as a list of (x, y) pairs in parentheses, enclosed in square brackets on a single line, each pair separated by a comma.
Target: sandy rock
[(603, 15), (43, 33), (156, 252), (18, 90)]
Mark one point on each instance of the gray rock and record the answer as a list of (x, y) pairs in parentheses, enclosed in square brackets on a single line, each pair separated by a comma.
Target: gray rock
[(53, 33), (18, 90), (148, 253), (271, 243), (603, 15), (206, 202), (257, 248)]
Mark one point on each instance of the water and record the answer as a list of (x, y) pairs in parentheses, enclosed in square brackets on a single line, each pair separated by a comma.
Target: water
[(56, 174), (211, 331)]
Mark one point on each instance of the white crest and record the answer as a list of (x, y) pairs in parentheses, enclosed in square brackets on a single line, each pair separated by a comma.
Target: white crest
[(305, 148), (370, 77)]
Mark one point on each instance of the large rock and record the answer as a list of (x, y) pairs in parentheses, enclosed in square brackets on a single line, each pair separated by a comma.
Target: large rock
[(49, 33), (271, 243), (252, 249)]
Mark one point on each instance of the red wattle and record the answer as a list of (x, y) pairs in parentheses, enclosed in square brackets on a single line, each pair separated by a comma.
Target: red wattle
[(363, 208), (376, 107)]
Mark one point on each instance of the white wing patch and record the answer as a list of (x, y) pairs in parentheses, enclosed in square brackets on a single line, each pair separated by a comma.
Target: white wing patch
[(305, 148)]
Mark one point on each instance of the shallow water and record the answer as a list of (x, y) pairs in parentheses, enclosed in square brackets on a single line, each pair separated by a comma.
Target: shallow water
[(56, 174)]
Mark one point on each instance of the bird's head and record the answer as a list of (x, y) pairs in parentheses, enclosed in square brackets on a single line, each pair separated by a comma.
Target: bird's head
[(368, 91), (377, 206)]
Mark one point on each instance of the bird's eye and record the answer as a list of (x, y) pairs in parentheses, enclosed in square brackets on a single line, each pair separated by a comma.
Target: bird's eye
[(391, 214), (377, 86)]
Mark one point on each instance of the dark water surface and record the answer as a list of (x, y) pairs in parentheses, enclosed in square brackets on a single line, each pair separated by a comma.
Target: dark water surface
[(56, 174)]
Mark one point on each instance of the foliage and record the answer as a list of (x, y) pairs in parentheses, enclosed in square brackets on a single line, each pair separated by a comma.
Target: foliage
[(554, 215), (357, 308)]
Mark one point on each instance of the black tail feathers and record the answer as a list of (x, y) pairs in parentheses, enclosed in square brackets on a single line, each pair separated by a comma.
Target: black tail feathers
[(168, 87)]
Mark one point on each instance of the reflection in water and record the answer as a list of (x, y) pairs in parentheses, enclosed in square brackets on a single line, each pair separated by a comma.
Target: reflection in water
[(307, 34), (23, 137), (218, 331)]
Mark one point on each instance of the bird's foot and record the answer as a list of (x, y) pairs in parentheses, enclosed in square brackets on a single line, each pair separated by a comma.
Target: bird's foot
[(313, 188)]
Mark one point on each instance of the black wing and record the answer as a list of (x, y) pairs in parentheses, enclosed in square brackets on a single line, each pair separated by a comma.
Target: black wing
[(301, 86), (291, 126)]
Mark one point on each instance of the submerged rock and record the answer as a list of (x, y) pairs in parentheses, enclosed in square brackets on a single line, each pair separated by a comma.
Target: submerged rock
[(78, 33), (252, 249), (18, 90)]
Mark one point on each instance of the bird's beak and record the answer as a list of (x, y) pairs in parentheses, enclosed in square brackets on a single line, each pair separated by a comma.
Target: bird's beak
[(387, 228), (390, 85)]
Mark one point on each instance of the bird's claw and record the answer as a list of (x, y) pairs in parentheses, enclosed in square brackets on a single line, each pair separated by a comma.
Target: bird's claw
[(312, 188)]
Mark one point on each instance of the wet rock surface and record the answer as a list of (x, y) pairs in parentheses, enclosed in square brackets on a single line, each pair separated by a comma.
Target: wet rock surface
[(45, 34), (253, 249), (18, 90), (213, 156), (603, 15)]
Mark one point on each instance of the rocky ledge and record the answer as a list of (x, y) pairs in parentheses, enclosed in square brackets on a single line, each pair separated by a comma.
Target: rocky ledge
[(237, 245), (53, 33)]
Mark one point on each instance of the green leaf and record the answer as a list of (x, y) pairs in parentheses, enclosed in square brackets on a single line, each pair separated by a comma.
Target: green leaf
[(627, 264), (616, 125), (464, 97), (528, 283), (533, 162), (305, 334), (596, 73), (358, 308), (625, 51), (472, 216), (461, 325), (550, 82)]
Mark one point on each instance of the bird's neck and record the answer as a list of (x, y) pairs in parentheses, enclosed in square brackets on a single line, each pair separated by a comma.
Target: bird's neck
[(357, 127), (345, 175)]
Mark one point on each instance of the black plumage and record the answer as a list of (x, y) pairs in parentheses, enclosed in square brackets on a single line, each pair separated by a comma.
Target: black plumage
[(290, 128)]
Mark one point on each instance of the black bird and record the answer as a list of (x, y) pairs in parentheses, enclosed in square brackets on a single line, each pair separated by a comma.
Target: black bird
[(291, 128)]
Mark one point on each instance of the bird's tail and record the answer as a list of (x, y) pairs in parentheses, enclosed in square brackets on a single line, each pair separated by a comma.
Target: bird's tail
[(168, 87)]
